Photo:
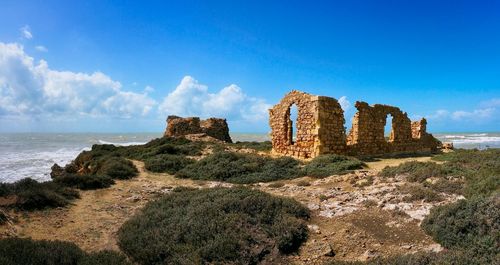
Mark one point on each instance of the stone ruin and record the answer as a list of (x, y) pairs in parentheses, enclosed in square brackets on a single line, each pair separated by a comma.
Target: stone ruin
[(320, 129), (193, 127)]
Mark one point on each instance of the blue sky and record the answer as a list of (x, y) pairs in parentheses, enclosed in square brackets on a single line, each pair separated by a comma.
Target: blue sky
[(111, 66)]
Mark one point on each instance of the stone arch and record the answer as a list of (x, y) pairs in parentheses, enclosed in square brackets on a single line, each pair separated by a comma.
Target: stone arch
[(320, 129), (317, 116), (400, 127)]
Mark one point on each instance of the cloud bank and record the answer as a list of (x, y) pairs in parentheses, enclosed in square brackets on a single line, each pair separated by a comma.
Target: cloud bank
[(190, 98), (30, 89), (485, 112)]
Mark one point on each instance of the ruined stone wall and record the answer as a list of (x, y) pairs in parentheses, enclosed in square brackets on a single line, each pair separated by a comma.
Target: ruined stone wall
[(331, 131), (216, 128), (418, 128), (282, 126), (320, 129), (367, 133), (319, 126), (213, 127)]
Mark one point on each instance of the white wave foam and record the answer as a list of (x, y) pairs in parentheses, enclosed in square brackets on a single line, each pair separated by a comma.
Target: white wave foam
[(478, 140), (454, 136), (121, 144), (478, 134), (15, 166)]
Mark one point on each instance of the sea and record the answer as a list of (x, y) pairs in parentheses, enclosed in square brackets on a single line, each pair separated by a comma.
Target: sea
[(32, 154)]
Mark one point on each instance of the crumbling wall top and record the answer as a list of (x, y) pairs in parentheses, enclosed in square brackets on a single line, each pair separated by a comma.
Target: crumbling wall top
[(213, 127)]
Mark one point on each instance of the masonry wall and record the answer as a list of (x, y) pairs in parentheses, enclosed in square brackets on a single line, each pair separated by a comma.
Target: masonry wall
[(320, 129), (213, 127), (307, 129)]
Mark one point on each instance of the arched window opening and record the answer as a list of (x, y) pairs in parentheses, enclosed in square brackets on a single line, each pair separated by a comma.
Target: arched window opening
[(292, 114), (388, 127)]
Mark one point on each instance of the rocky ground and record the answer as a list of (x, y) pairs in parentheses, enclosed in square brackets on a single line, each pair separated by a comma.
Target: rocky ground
[(355, 217)]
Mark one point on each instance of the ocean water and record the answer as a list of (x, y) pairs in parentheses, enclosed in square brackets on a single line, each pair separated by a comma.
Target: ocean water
[(32, 154)]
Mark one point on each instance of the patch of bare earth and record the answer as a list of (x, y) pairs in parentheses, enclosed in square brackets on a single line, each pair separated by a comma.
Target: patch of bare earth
[(93, 220), (357, 216)]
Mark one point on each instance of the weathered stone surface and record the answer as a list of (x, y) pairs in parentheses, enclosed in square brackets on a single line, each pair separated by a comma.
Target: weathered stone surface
[(213, 127), (320, 129)]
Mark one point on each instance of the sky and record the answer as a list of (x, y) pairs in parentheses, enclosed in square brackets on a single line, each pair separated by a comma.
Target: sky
[(124, 66)]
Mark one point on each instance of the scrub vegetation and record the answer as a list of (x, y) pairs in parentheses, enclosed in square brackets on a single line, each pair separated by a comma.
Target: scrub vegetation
[(214, 226)]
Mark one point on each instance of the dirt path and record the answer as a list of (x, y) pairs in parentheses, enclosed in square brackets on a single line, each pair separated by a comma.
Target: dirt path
[(343, 224), (93, 220)]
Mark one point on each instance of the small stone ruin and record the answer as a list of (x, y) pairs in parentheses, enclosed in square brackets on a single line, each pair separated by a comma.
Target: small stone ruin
[(320, 129), (193, 127)]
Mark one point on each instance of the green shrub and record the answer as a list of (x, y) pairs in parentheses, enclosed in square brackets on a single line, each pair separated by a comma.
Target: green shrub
[(167, 163), (241, 168), (257, 146), (3, 217), (84, 182), (164, 145), (470, 225), (303, 183), (420, 258), (105, 257), (481, 169), (33, 195), (117, 168), (469, 172), (327, 165), (447, 186), (414, 170), (219, 226), (17, 251), (275, 185), (418, 193)]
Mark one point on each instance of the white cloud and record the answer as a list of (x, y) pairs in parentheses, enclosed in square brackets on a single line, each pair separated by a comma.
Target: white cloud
[(26, 32), (475, 114), (492, 103), (344, 103), (32, 88), (439, 114), (41, 48), (149, 89), (190, 98)]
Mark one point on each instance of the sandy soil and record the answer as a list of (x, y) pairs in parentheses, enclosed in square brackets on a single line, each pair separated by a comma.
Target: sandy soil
[(350, 221)]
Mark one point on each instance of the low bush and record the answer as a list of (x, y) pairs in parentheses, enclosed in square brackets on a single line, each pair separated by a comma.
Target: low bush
[(17, 251), (418, 192), (164, 145), (420, 258), (213, 226), (105, 257), (468, 172), (481, 169), (257, 146), (414, 170), (454, 186), (32, 195), (3, 217), (327, 165), (84, 182), (241, 168), (468, 225), (116, 168), (167, 163), (303, 183), (276, 185)]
